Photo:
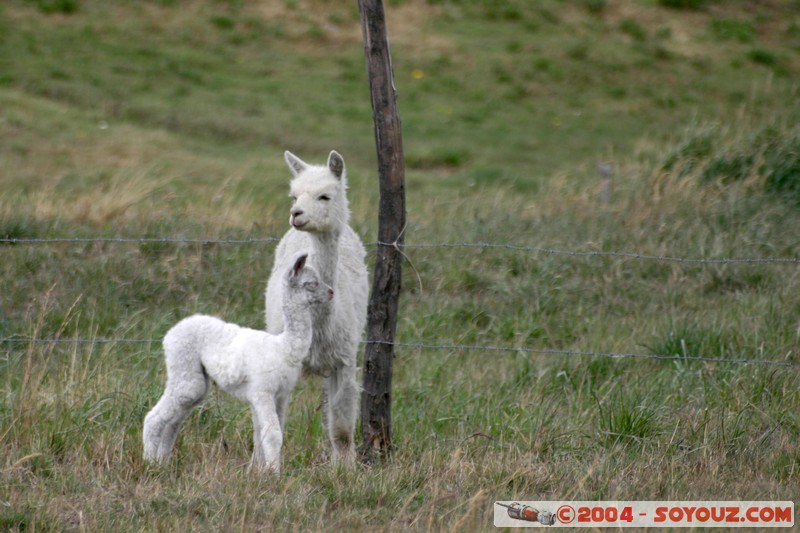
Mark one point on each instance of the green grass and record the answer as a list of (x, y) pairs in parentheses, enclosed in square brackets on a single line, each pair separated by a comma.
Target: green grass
[(166, 119)]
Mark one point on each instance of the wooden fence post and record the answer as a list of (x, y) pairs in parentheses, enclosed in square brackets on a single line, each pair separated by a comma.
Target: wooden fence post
[(376, 398)]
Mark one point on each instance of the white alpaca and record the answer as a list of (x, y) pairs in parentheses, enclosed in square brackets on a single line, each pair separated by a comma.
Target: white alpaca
[(319, 218), (254, 366)]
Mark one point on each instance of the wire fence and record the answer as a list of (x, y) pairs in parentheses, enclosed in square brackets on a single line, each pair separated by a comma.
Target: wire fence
[(16, 340), (458, 347), (411, 246)]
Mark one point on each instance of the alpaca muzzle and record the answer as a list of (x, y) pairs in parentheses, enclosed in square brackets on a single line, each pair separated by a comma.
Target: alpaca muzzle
[(296, 221)]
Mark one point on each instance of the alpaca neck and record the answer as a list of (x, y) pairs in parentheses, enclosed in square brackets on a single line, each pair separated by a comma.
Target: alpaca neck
[(326, 252), (298, 329)]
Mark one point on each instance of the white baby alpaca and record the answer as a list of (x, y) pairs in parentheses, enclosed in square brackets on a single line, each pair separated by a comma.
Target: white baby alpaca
[(252, 365), (319, 218)]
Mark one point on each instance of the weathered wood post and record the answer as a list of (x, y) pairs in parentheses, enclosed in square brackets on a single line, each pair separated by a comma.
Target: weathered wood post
[(376, 399)]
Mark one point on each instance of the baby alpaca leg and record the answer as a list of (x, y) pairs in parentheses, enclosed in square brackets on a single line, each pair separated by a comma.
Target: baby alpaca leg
[(267, 435), (258, 449), (282, 405), (342, 407), (183, 393)]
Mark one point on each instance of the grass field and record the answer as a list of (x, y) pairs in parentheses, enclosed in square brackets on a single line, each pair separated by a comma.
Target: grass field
[(168, 119)]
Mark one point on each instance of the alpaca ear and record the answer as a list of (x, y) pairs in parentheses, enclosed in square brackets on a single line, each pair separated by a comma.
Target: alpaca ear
[(336, 164), (299, 263), (295, 163)]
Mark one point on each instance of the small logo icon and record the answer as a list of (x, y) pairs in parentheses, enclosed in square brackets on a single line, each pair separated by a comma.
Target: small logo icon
[(528, 513)]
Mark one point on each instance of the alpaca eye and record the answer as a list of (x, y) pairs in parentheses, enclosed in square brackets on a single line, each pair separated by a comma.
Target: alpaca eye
[(323, 197), (311, 285), (293, 197)]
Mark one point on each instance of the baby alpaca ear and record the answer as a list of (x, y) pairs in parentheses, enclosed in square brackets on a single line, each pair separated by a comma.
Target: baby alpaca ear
[(295, 163), (336, 164), (299, 263)]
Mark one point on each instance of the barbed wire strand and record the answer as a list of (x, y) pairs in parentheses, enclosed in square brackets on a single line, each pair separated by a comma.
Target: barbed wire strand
[(72, 340), (135, 240), (598, 253), (411, 246), (579, 353), (453, 347)]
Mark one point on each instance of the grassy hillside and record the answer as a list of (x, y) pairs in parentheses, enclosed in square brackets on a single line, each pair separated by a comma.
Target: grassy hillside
[(166, 119)]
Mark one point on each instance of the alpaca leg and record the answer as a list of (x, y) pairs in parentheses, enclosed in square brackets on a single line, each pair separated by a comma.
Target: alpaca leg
[(162, 423), (342, 411), (258, 449), (267, 435), (282, 405)]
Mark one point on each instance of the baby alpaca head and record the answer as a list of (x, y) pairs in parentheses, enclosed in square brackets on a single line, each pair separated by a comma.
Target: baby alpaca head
[(319, 194), (304, 285)]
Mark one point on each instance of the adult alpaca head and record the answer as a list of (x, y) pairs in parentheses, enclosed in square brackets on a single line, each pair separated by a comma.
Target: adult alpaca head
[(319, 194)]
